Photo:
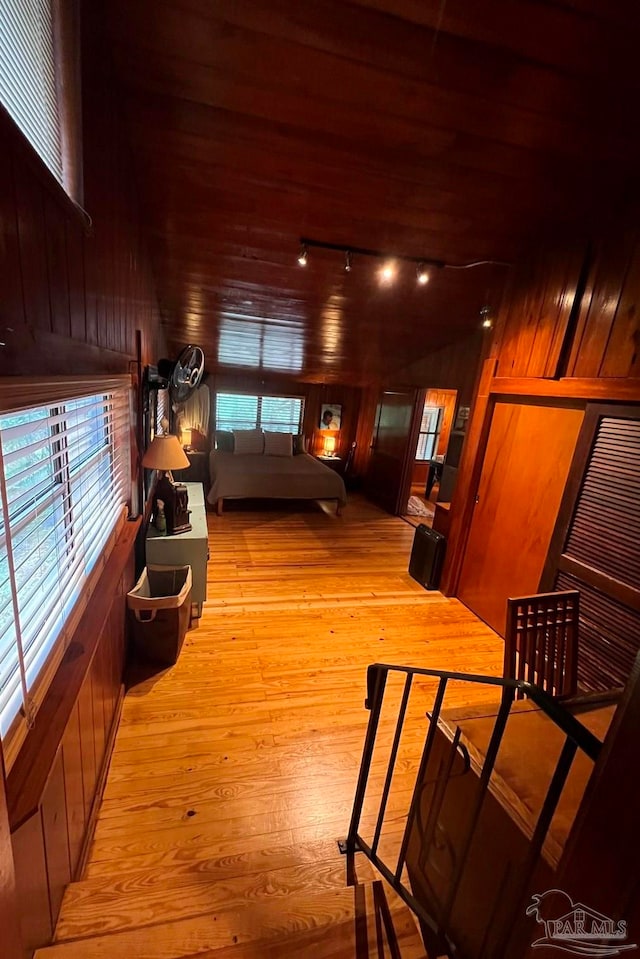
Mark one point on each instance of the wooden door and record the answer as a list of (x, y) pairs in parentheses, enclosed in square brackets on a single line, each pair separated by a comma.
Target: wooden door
[(393, 448), (525, 469)]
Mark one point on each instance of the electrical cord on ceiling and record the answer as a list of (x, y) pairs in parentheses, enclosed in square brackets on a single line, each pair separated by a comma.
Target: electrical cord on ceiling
[(469, 266)]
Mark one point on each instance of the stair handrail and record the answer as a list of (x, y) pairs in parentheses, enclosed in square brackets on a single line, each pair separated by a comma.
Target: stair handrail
[(577, 737)]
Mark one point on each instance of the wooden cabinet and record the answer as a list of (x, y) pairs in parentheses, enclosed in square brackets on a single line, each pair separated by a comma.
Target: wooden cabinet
[(185, 549)]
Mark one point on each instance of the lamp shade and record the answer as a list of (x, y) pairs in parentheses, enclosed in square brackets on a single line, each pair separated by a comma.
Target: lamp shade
[(165, 453), (330, 445)]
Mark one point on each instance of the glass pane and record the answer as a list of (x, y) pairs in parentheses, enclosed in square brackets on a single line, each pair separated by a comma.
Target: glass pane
[(236, 411), (281, 414)]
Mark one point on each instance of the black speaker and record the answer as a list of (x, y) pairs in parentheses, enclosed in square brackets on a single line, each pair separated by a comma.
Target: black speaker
[(427, 556)]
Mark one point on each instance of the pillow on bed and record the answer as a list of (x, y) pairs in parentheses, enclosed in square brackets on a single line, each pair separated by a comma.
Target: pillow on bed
[(299, 444), (248, 441), (224, 441), (278, 444)]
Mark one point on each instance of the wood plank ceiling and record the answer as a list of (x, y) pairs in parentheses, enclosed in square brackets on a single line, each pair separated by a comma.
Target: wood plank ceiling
[(449, 129)]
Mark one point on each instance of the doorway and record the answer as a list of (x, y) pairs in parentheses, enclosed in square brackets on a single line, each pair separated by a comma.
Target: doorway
[(428, 457)]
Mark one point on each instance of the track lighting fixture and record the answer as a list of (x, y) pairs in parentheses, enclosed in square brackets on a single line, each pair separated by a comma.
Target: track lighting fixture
[(422, 275), (388, 271)]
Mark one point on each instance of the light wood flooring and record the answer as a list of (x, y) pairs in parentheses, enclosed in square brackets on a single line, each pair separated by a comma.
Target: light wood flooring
[(234, 772)]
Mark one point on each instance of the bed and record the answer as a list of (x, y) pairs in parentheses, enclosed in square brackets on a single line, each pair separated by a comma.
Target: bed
[(248, 476)]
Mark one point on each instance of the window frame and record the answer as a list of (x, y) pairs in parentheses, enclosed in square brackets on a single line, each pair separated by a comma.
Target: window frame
[(435, 433), (259, 418), (79, 486)]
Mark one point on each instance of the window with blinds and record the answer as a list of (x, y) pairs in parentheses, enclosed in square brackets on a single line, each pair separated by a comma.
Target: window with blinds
[(64, 479), (244, 411), (28, 88)]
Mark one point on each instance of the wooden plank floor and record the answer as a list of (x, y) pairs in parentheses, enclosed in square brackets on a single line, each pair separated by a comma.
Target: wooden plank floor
[(234, 772)]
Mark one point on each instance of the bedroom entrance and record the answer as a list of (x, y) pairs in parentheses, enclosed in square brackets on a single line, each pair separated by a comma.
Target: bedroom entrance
[(411, 435), (428, 477)]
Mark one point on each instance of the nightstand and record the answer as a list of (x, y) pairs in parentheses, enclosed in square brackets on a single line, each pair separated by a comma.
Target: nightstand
[(196, 472), (335, 463)]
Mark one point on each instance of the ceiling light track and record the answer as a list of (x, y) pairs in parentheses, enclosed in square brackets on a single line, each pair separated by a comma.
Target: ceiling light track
[(305, 242), (421, 262)]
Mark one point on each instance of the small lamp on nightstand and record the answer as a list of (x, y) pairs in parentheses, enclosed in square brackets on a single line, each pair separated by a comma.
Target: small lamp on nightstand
[(329, 446)]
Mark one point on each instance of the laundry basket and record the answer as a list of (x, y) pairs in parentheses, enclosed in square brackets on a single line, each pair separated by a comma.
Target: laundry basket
[(160, 612)]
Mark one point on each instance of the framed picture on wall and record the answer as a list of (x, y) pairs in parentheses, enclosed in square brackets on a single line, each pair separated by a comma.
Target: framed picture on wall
[(462, 418), (330, 416)]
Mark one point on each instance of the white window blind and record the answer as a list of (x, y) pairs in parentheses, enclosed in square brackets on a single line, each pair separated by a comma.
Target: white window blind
[(64, 478), (243, 411), (28, 88)]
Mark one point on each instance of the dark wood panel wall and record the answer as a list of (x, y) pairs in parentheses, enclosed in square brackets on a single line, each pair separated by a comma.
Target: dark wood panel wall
[(75, 286), (54, 787), (568, 330), (74, 289)]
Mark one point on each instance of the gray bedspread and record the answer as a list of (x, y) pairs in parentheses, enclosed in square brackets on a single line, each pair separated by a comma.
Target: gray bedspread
[(239, 476)]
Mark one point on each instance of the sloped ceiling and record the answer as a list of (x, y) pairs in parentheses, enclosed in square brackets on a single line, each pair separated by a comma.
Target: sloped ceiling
[(453, 131)]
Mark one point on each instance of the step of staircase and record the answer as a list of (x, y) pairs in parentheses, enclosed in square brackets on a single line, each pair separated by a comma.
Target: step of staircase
[(109, 904), (336, 924)]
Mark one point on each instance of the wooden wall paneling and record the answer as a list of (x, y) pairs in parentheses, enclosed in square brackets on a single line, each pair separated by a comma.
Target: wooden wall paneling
[(87, 744), (57, 268), (469, 468), (32, 884), (33, 246), (9, 907), (455, 367), (74, 788), (97, 695), (75, 264), (58, 279), (535, 315), (364, 432), (55, 829), (607, 341), (525, 467), (92, 288), (11, 302)]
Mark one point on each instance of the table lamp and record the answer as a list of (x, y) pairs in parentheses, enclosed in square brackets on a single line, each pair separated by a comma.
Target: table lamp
[(329, 446), (165, 454)]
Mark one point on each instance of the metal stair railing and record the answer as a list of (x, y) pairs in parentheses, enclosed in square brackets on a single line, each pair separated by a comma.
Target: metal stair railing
[(577, 738)]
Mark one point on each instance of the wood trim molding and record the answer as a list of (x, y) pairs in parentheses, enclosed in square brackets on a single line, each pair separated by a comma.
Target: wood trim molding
[(463, 501), (16, 392), (579, 388), (28, 777)]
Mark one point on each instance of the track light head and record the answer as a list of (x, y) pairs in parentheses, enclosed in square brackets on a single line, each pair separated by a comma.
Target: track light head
[(422, 276), (485, 317), (347, 261), (388, 272), (303, 255)]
